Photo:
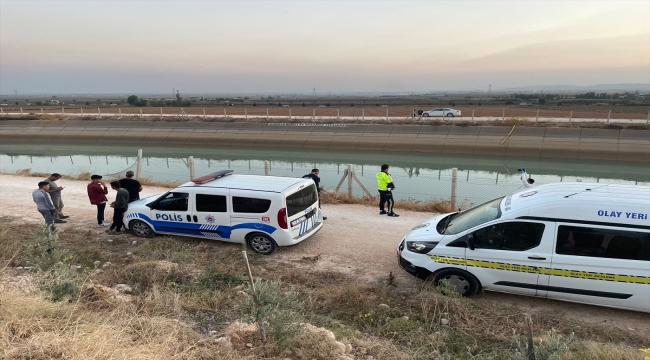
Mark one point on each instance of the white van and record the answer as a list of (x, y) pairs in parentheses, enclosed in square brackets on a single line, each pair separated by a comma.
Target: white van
[(264, 211), (587, 243)]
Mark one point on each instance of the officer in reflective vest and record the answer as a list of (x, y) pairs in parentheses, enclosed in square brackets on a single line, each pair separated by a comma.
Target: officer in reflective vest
[(385, 186)]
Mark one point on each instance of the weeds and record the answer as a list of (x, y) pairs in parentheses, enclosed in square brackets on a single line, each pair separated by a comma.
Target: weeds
[(550, 348), (276, 311)]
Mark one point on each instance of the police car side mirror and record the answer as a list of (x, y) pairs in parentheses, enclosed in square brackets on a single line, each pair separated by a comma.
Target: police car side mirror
[(469, 240)]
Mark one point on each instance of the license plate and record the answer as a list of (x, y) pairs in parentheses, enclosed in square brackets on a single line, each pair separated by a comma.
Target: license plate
[(303, 218)]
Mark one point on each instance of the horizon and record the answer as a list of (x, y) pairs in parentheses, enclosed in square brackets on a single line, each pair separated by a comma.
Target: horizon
[(286, 47)]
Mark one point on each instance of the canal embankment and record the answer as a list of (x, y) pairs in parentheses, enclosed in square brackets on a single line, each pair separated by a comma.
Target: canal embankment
[(534, 142)]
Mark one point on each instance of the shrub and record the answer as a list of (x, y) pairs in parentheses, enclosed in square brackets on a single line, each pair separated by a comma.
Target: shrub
[(548, 349), (276, 311)]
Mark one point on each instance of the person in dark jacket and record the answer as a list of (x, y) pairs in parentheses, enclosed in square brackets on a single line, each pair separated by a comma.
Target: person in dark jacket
[(97, 192), (314, 176), (132, 185), (119, 206)]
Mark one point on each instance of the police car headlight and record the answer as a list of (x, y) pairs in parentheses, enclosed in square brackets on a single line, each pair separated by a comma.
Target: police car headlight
[(420, 226), (420, 247)]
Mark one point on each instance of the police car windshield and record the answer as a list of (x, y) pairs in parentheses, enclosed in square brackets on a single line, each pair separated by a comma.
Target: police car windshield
[(476, 216)]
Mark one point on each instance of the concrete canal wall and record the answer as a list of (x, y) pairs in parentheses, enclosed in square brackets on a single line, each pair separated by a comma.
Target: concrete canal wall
[(568, 143)]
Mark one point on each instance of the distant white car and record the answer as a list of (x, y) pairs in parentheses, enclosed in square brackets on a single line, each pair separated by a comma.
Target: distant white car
[(441, 112), (321, 105)]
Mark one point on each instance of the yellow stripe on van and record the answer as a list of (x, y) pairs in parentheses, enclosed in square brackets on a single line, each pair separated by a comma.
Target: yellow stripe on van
[(541, 270)]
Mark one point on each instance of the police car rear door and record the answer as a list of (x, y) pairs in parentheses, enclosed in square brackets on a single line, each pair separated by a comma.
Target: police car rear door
[(302, 209), (512, 256), (602, 265)]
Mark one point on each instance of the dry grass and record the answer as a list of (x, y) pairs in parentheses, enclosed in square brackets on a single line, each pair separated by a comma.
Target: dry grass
[(82, 175), (184, 289), (433, 206), (34, 328)]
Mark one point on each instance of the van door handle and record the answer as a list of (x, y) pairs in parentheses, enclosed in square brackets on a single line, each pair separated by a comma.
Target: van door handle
[(189, 219), (536, 258), (196, 219)]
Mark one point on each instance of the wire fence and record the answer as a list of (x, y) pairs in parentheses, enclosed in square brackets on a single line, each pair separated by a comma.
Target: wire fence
[(337, 111), (419, 183), (464, 187)]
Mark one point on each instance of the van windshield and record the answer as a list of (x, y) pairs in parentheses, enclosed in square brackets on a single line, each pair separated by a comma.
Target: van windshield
[(301, 200), (473, 217)]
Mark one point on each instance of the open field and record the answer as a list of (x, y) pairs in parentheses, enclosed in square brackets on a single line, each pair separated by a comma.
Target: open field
[(185, 292), (307, 112)]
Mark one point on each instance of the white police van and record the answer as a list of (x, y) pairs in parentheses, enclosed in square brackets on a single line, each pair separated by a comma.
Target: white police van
[(587, 243), (264, 211)]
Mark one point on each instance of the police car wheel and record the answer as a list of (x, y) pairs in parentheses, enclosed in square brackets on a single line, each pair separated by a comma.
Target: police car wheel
[(262, 244), (462, 281), (141, 229), (425, 115)]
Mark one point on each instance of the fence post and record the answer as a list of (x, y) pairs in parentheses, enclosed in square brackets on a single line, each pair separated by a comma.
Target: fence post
[(99, 112), (386, 114), (245, 113), (42, 113), (119, 110), (161, 113), (350, 172), (62, 110), (267, 168), (204, 113), (338, 114), (140, 112), (503, 117), (267, 114), (609, 115), (570, 115), (537, 116), (648, 121), (289, 113), (363, 114), (313, 115), (2, 111), (224, 112), (190, 162), (472, 114), (21, 111), (139, 167), (454, 181)]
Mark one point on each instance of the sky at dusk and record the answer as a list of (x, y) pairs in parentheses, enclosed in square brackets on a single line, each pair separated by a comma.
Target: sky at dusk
[(338, 46)]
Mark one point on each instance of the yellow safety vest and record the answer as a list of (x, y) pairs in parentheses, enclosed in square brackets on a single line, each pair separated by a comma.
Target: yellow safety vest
[(383, 178)]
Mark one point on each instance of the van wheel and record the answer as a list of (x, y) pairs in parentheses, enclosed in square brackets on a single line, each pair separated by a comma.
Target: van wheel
[(465, 283), (141, 229), (262, 244)]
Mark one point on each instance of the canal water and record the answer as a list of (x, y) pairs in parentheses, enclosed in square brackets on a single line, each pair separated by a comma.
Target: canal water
[(417, 176)]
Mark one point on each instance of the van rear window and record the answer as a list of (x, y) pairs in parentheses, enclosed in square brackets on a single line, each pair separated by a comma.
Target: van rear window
[(604, 243), (301, 200), (250, 205)]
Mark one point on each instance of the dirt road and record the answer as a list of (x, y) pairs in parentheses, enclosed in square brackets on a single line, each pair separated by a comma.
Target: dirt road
[(355, 240)]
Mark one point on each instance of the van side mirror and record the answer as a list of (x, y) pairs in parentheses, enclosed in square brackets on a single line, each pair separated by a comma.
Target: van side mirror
[(469, 240)]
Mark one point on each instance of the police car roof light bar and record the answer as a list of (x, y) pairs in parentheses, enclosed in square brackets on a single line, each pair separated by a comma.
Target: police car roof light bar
[(207, 178)]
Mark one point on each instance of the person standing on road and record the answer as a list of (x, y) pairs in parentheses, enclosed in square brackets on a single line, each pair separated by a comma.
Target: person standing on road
[(314, 176), (132, 186), (97, 194), (119, 206), (55, 194), (385, 186), (526, 180), (44, 204)]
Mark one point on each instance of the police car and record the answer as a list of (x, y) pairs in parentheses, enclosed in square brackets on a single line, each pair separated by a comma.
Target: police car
[(263, 211), (587, 243)]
